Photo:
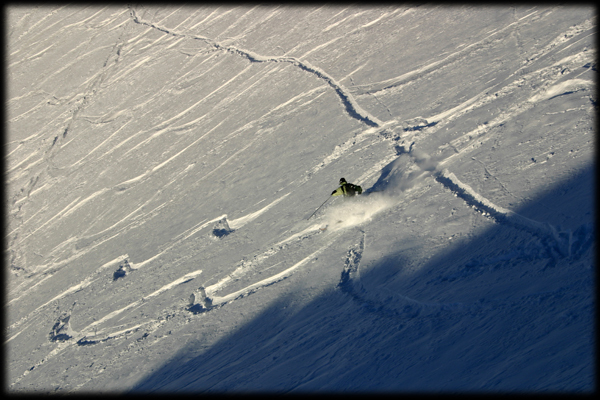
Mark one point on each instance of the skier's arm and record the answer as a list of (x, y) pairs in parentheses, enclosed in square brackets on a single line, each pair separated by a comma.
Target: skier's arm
[(337, 192)]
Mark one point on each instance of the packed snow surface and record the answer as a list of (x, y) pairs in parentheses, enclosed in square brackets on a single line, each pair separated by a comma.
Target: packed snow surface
[(163, 164)]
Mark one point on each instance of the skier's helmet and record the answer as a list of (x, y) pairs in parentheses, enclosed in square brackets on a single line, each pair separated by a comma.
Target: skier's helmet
[(342, 180)]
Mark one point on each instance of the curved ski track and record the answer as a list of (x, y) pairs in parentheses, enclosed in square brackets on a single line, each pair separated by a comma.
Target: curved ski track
[(94, 333), (353, 109), (403, 308), (561, 244), (395, 305)]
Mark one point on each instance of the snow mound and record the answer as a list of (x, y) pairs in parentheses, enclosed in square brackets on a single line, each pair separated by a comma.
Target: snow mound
[(221, 228)]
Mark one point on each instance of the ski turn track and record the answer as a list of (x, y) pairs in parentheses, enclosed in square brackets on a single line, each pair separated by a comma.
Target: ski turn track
[(559, 243), (352, 108), (389, 304), (247, 266), (94, 333)]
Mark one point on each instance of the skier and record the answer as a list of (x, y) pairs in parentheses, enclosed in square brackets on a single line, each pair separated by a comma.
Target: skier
[(346, 189)]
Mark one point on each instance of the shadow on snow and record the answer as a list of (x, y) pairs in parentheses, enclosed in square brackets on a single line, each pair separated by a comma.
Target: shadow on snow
[(497, 312)]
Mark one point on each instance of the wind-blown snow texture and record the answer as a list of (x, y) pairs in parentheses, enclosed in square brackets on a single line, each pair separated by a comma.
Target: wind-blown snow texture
[(162, 163)]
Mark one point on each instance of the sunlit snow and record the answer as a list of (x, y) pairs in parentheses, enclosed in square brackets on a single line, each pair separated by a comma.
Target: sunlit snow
[(165, 165)]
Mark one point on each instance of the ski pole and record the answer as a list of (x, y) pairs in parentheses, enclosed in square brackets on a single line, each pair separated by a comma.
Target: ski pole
[(318, 208)]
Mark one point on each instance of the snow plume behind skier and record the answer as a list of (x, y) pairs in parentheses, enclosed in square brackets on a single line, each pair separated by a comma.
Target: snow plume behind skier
[(396, 178)]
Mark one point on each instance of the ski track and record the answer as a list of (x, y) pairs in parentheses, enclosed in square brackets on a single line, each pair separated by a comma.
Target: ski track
[(393, 305), (81, 337), (543, 94), (246, 266), (348, 33), (473, 139), (237, 223), (548, 75), (184, 279), (221, 301), (263, 118), (353, 109), (386, 303), (240, 222), (389, 304), (560, 243), (163, 127), (75, 204), (234, 224), (338, 152), (464, 52), (58, 215), (73, 289)]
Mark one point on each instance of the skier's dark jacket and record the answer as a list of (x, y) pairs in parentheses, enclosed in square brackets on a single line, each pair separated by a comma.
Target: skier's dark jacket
[(346, 189)]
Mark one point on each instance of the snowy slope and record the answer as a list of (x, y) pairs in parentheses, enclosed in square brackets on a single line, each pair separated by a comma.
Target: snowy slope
[(162, 162)]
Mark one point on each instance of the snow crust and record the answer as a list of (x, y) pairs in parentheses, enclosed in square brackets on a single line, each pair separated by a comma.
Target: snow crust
[(162, 163)]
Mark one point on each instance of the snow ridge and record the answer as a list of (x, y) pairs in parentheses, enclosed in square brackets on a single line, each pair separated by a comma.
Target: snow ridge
[(558, 242), (390, 304), (85, 316), (352, 108), (350, 279), (206, 294), (221, 301)]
